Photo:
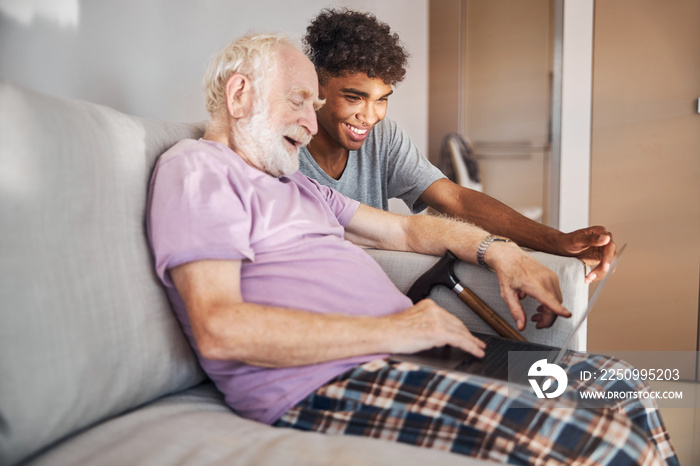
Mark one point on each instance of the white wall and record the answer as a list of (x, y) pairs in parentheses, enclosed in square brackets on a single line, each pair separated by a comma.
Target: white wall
[(147, 57)]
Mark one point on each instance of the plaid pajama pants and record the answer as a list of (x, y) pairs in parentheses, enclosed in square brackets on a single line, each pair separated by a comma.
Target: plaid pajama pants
[(482, 418)]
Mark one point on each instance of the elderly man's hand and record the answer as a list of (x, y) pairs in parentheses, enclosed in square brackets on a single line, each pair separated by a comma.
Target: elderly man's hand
[(594, 246), (521, 275), (426, 325)]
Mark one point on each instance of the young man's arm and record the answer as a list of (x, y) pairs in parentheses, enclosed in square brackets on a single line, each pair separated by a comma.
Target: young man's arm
[(227, 328), (519, 275), (593, 245)]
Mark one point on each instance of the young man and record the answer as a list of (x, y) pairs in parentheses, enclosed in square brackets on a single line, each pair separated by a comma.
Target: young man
[(256, 262), (367, 157)]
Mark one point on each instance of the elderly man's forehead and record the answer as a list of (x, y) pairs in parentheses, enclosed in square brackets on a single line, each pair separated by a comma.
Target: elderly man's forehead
[(290, 55), (296, 72)]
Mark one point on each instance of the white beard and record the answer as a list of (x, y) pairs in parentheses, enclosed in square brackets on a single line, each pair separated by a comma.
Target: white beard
[(269, 152)]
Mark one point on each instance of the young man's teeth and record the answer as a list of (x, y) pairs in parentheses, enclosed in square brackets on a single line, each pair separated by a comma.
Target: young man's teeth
[(357, 130)]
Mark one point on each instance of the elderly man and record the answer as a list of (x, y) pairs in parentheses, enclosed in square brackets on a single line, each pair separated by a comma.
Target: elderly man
[(293, 322), (369, 158)]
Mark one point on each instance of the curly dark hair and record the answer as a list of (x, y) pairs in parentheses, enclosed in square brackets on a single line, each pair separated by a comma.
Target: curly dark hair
[(346, 41)]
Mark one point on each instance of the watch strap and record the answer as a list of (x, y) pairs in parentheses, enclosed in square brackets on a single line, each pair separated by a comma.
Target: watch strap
[(484, 245)]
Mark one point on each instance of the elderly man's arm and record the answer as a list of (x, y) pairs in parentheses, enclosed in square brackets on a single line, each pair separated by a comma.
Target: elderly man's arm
[(226, 327), (519, 275)]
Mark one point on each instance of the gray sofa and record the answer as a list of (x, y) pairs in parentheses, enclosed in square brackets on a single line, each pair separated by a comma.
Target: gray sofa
[(93, 366)]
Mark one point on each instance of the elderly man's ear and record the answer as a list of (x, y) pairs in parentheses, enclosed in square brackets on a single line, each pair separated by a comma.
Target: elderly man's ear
[(239, 96)]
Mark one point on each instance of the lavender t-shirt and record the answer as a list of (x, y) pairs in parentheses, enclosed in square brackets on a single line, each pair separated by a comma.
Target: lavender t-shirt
[(205, 202)]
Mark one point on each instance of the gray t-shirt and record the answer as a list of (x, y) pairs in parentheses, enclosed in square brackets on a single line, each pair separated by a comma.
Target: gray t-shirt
[(387, 165)]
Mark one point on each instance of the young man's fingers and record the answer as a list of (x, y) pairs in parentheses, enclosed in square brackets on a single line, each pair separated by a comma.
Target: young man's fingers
[(549, 301), (590, 237), (543, 318), (609, 253), (595, 274), (591, 277)]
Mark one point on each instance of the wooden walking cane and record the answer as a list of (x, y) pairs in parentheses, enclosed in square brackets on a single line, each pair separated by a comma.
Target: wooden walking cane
[(442, 273)]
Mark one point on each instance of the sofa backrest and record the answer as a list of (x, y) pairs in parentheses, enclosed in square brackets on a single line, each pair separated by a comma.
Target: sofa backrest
[(86, 331)]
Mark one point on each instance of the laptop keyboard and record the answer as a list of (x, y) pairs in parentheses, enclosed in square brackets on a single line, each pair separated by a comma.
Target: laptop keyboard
[(495, 362)]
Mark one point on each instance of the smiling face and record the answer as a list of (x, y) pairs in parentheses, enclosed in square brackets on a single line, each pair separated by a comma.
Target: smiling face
[(284, 119), (354, 104)]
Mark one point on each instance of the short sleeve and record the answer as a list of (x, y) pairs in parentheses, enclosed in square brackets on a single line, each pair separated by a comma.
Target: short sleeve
[(195, 213), (410, 173), (343, 207)]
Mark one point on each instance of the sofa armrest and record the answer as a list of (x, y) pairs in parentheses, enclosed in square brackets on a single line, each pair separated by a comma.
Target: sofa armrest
[(404, 268)]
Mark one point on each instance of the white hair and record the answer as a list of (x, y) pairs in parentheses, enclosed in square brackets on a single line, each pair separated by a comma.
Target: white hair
[(251, 56)]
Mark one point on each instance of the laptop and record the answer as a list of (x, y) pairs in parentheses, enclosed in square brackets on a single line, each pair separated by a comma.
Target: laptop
[(495, 362)]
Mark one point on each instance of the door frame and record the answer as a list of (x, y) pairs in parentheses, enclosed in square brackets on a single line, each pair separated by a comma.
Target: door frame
[(572, 88)]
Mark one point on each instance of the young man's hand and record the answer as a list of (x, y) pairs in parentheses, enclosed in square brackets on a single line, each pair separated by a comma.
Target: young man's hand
[(594, 246)]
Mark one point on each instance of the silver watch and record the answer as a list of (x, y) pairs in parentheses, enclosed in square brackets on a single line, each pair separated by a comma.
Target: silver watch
[(481, 251)]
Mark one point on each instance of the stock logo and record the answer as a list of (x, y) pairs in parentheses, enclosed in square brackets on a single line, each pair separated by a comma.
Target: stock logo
[(553, 372)]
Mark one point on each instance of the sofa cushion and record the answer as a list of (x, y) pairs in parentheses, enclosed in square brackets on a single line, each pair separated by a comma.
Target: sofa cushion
[(196, 427), (86, 331)]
